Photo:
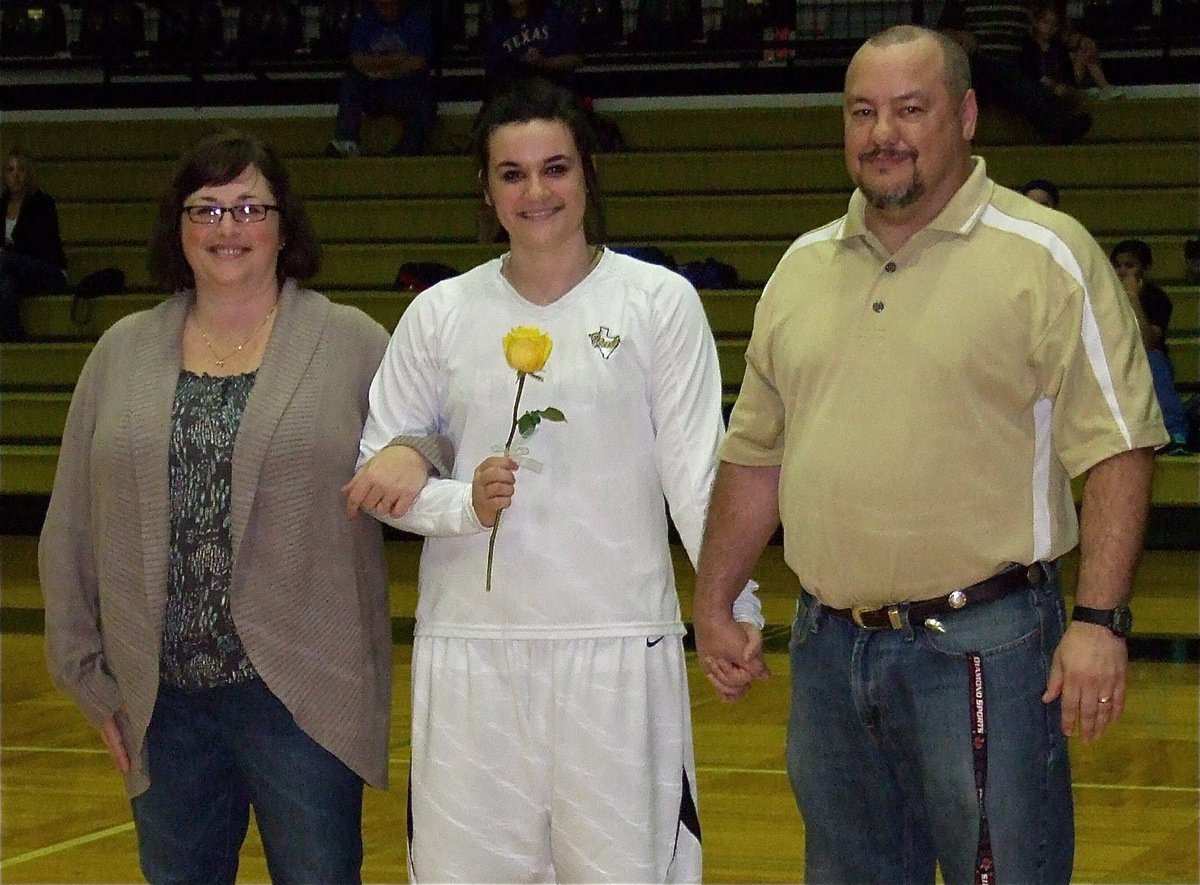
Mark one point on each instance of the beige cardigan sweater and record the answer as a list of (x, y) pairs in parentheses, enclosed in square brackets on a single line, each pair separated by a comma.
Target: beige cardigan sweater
[(309, 588)]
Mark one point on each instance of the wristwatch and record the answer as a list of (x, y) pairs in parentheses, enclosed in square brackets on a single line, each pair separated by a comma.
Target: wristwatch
[(1119, 620)]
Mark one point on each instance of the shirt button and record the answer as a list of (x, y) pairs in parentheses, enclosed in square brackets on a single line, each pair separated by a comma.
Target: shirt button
[(890, 267), (877, 307)]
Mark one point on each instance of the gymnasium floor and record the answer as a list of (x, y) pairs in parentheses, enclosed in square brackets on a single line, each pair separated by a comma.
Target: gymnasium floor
[(63, 816)]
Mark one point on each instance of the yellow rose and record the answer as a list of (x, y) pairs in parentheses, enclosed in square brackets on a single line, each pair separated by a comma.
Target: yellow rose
[(527, 348)]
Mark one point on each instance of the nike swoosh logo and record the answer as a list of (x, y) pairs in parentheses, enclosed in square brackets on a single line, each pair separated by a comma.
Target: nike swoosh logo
[(650, 643)]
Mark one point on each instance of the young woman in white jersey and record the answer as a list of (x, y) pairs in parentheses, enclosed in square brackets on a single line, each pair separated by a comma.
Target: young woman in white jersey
[(551, 735)]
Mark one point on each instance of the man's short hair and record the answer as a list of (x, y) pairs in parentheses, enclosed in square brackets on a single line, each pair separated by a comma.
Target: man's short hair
[(956, 69)]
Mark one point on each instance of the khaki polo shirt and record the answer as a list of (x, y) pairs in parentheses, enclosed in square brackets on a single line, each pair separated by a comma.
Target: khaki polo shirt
[(928, 408)]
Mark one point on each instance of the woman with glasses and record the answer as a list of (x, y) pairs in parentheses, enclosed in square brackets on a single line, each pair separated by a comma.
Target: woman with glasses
[(208, 604), (551, 731)]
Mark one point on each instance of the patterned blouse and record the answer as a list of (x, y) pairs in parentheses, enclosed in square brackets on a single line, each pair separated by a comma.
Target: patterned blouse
[(200, 645)]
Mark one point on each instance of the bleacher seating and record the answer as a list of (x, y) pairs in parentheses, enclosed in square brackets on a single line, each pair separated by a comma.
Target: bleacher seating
[(734, 183)]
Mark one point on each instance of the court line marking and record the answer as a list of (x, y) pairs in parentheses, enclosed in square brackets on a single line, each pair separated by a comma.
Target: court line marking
[(67, 844), (82, 751), (118, 829)]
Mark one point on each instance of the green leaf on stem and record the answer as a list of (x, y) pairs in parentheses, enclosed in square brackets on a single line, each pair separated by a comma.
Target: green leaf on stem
[(528, 422), (553, 414)]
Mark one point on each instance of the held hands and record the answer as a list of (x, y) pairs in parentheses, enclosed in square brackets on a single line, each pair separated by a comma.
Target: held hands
[(492, 488), (1088, 673), (110, 733), (388, 483), (731, 654)]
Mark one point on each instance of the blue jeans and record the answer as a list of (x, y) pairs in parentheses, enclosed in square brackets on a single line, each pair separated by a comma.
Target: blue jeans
[(213, 754), (1163, 374), (880, 750), (410, 99), (22, 275)]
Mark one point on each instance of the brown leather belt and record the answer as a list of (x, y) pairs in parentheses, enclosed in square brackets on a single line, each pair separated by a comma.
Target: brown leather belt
[(896, 617)]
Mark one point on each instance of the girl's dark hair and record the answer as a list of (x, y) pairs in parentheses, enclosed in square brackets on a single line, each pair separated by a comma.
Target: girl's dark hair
[(536, 98), (1041, 184), (1137, 248), (219, 159)]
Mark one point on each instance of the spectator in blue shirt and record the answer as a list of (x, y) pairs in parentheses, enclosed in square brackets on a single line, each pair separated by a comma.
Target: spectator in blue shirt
[(391, 46), (531, 37)]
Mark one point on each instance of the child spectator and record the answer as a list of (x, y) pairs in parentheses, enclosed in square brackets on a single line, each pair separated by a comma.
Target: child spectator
[(1062, 60), (1045, 56), (1132, 259), (391, 46), (989, 32), (1085, 56), (1040, 190)]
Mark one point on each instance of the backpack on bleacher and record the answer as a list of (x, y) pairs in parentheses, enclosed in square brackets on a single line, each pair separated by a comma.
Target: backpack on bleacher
[(270, 30), (98, 283), (116, 29), (32, 29)]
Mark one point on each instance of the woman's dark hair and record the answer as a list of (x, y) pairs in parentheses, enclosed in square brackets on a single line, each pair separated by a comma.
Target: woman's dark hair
[(219, 159), (1137, 248), (536, 98)]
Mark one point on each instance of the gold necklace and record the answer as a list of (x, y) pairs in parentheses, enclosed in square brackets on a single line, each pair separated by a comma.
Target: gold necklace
[(220, 360)]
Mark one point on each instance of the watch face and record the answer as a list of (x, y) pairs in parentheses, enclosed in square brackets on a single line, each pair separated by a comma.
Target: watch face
[(1122, 620)]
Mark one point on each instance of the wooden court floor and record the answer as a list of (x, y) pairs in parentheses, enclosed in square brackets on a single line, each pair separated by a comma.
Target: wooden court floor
[(63, 817)]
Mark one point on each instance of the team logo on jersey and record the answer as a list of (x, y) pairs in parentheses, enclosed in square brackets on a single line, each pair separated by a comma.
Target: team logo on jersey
[(604, 341)]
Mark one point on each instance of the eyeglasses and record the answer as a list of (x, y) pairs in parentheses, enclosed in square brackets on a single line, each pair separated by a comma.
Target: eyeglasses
[(246, 213)]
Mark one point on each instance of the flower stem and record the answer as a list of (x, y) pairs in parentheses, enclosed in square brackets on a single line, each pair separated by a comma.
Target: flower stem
[(507, 445)]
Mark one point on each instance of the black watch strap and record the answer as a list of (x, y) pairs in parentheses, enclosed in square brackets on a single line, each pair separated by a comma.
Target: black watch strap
[(1119, 619)]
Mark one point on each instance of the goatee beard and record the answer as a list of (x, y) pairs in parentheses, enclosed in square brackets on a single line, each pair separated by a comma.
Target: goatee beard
[(895, 198)]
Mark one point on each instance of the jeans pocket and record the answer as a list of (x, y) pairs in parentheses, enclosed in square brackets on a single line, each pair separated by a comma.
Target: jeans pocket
[(804, 624), (992, 628)]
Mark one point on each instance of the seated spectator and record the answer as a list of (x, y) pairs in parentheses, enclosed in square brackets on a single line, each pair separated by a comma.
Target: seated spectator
[(1132, 259), (1040, 190), (1085, 56), (1191, 261), (1046, 55), (391, 46), (530, 37), (32, 260), (990, 33)]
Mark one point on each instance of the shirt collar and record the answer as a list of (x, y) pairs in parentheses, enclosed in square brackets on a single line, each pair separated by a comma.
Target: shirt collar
[(958, 216)]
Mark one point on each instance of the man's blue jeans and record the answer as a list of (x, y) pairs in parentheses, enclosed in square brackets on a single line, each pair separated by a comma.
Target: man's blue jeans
[(215, 753), (880, 749)]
